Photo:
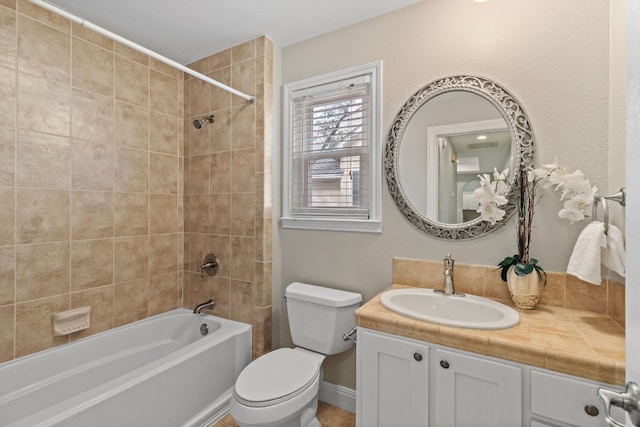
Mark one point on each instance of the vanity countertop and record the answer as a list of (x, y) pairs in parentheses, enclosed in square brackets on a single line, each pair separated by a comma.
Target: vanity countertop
[(574, 342)]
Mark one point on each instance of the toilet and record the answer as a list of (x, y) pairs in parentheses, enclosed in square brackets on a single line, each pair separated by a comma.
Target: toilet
[(281, 388)]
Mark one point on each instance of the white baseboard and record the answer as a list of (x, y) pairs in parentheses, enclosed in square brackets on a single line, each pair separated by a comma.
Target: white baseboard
[(337, 395)]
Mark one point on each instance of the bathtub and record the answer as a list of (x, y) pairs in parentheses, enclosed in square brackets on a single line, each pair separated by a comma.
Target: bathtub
[(157, 372)]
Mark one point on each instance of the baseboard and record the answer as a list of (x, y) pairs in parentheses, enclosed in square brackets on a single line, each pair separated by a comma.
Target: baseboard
[(337, 395)]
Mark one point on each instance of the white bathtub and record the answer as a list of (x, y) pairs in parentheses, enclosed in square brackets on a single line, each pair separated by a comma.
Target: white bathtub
[(157, 372)]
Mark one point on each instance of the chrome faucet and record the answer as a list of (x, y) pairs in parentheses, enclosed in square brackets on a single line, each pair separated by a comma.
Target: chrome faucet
[(207, 304), (448, 288)]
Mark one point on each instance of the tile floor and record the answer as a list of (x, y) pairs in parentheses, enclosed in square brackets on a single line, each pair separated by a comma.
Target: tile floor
[(329, 416)]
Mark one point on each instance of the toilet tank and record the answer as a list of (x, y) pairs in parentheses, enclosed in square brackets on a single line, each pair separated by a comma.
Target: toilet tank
[(320, 316)]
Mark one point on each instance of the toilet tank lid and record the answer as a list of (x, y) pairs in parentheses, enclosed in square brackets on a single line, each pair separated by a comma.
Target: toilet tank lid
[(321, 295)]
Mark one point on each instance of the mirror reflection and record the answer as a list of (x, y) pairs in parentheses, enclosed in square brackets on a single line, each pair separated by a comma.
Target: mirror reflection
[(443, 137), (471, 154), (449, 141)]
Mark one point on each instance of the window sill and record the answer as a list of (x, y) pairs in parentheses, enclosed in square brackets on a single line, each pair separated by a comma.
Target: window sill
[(331, 224)]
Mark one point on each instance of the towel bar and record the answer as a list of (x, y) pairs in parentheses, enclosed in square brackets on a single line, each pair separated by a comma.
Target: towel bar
[(605, 210), (619, 197)]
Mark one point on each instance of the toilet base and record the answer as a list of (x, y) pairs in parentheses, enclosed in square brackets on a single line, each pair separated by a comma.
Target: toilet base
[(309, 419), (302, 410), (305, 419)]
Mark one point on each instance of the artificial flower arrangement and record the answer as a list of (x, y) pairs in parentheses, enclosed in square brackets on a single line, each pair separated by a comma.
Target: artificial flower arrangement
[(577, 193)]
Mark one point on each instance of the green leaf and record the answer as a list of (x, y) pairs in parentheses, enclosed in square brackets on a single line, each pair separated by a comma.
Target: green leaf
[(506, 262), (522, 269), (503, 273)]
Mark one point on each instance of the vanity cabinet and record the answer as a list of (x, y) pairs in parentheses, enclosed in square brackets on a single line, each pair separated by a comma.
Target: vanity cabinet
[(474, 391), (406, 382), (393, 381), (560, 400)]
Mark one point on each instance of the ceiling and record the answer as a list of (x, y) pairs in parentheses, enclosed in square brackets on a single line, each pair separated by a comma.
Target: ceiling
[(188, 30), (492, 151)]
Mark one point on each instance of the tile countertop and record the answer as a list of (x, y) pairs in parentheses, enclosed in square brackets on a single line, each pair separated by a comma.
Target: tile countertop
[(574, 342)]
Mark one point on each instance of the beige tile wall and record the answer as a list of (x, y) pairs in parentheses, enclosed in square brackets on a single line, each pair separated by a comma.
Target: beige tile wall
[(110, 198), (90, 180), (562, 290), (227, 170)]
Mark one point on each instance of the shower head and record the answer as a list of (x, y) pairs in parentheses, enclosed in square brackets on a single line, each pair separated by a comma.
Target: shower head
[(197, 123)]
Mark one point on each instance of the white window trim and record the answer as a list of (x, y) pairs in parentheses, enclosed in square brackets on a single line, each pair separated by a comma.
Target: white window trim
[(374, 223)]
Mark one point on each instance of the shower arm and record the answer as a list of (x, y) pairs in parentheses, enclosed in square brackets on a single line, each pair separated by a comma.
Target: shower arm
[(91, 26)]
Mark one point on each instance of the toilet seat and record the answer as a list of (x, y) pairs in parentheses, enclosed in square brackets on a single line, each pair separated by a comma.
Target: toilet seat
[(276, 377)]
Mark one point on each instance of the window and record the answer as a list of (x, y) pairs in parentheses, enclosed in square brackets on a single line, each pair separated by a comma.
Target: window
[(332, 170)]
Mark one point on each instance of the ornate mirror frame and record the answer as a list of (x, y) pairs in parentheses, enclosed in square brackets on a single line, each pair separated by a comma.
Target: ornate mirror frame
[(522, 141)]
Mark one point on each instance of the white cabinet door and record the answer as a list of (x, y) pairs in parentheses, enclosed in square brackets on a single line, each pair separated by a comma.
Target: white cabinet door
[(569, 400), (393, 381), (475, 392)]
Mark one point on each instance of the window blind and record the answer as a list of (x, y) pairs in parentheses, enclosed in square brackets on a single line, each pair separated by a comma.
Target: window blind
[(330, 149)]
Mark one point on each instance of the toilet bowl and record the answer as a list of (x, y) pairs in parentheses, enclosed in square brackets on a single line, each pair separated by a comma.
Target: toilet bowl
[(280, 389)]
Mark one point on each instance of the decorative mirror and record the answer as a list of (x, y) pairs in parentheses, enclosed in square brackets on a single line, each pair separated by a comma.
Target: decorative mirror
[(445, 135)]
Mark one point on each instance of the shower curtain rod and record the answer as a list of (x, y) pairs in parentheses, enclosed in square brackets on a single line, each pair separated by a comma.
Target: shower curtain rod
[(87, 24)]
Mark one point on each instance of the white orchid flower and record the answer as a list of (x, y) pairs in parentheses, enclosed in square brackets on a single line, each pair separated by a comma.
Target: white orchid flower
[(485, 180), (500, 176), (571, 214), (482, 196), (575, 176), (551, 166), (574, 184), (583, 202), (500, 200), (501, 186), (490, 212), (486, 186), (577, 202), (577, 192), (536, 174), (557, 178)]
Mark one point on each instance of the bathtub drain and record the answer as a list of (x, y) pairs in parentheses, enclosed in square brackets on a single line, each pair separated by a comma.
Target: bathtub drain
[(204, 329)]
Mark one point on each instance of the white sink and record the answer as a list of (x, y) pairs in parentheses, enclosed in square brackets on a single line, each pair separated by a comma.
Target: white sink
[(469, 311)]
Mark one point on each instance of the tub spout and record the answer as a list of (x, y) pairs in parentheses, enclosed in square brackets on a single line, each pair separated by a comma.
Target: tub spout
[(207, 304)]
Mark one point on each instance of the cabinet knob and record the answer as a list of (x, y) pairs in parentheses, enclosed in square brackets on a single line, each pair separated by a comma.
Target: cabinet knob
[(444, 364), (591, 410), (417, 356)]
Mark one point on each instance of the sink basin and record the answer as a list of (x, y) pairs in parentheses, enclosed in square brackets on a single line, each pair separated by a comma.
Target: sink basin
[(469, 311)]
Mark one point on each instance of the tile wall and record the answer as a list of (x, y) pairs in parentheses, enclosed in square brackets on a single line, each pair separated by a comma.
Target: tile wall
[(227, 187), (562, 290), (92, 180)]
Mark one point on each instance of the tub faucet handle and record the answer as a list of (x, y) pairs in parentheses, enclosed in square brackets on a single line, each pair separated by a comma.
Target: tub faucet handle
[(210, 266)]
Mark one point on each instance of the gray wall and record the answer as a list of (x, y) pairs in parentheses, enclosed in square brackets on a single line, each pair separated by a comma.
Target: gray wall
[(554, 56)]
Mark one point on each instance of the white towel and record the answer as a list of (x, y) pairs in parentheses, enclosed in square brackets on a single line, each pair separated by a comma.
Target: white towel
[(587, 254), (613, 255)]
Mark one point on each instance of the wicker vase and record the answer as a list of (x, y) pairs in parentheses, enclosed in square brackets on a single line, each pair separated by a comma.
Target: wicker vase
[(525, 290)]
